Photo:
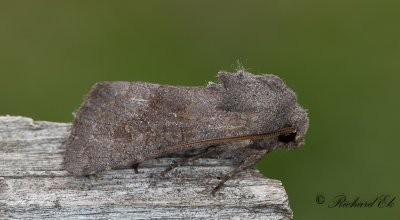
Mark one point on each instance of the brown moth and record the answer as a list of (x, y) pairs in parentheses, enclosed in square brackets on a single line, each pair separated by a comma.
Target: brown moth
[(123, 124)]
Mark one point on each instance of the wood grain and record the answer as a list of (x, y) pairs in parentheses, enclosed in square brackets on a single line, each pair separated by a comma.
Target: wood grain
[(34, 184)]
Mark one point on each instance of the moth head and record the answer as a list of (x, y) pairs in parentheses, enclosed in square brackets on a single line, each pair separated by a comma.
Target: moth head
[(299, 123), (267, 104)]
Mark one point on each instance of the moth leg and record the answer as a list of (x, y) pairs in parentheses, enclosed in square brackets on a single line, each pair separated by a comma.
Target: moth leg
[(135, 168), (249, 156), (210, 150), (91, 176)]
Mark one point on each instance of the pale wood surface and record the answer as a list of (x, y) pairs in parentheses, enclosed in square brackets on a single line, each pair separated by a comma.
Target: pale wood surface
[(33, 184)]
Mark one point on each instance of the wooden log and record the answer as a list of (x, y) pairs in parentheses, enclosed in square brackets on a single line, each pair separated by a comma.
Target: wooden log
[(34, 184)]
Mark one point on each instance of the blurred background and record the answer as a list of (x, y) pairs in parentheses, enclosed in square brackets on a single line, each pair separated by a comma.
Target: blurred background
[(342, 58)]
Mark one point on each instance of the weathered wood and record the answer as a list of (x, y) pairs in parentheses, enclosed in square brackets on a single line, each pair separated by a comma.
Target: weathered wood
[(33, 184)]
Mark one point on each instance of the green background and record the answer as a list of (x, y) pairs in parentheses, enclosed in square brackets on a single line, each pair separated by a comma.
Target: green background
[(340, 57)]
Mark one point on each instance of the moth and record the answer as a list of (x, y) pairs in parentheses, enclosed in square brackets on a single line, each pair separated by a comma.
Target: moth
[(243, 117)]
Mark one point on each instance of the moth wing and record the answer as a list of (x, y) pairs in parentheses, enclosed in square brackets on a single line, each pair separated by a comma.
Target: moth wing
[(123, 123), (100, 135)]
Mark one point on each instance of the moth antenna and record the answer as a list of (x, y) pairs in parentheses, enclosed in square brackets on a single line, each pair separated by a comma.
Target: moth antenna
[(276, 133)]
